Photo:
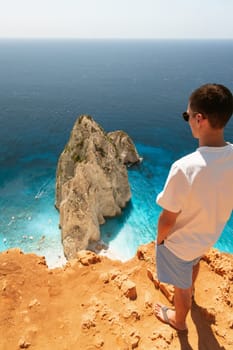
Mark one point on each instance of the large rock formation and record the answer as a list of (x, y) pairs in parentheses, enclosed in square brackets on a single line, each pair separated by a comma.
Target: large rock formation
[(92, 182)]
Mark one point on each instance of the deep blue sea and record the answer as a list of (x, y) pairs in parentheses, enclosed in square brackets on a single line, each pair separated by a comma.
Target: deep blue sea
[(141, 87)]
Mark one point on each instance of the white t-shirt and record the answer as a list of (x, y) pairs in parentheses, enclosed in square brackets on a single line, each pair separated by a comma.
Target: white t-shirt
[(200, 185)]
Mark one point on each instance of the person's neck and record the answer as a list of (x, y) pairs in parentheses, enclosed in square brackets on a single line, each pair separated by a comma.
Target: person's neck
[(213, 139)]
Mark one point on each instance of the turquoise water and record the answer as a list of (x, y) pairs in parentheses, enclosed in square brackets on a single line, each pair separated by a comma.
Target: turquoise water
[(141, 87), (138, 222), (31, 223), (29, 219)]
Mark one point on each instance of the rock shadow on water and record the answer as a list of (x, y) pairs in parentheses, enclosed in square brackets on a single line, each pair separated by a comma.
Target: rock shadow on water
[(113, 226)]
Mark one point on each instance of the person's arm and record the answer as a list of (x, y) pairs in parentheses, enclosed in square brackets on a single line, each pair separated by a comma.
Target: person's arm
[(166, 222)]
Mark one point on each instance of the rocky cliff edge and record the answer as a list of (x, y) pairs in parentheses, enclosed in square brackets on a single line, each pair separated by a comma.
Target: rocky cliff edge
[(96, 303)]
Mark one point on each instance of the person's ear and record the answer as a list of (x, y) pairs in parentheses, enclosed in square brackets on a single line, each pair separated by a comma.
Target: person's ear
[(199, 117)]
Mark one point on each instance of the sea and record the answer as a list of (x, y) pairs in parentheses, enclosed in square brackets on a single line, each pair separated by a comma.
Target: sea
[(139, 86)]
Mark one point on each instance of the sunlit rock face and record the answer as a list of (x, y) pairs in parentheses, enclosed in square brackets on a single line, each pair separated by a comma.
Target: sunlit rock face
[(125, 147), (91, 182)]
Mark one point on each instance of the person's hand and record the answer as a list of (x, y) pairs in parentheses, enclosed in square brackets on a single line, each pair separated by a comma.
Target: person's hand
[(160, 243)]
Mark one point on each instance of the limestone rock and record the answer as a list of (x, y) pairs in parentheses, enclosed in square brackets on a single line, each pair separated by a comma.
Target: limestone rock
[(126, 285), (33, 303), (142, 252), (87, 258), (131, 313), (220, 263), (104, 277), (125, 146), (163, 338), (88, 321), (167, 290), (91, 183), (134, 339), (23, 344), (129, 289)]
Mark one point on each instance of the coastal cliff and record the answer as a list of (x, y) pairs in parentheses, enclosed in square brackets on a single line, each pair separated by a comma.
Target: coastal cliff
[(91, 182), (97, 303)]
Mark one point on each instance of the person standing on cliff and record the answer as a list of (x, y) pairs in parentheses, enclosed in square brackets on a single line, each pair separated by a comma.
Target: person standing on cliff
[(197, 200)]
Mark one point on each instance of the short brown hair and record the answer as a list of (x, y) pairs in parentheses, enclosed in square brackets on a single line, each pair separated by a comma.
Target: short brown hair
[(215, 101)]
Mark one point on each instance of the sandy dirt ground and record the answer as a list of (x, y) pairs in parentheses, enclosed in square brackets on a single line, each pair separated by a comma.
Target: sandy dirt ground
[(97, 303)]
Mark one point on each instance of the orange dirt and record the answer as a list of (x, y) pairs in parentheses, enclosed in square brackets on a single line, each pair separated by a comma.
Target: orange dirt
[(97, 303)]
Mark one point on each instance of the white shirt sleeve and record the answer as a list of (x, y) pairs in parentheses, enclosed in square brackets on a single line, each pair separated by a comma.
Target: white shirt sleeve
[(175, 191)]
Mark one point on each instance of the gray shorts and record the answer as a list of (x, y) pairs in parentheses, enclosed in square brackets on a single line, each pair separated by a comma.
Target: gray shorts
[(173, 270)]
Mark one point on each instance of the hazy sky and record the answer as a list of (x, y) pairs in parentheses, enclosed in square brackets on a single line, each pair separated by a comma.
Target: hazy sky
[(116, 18)]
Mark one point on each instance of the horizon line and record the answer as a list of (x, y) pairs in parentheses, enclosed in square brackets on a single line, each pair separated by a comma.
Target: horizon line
[(106, 38)]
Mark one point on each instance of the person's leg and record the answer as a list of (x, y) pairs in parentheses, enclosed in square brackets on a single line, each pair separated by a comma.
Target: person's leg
[(183, 303), (196, 269), (177, 317), (181, 274)]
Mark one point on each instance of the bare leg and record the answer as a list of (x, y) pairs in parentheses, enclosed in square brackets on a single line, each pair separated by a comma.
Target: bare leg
[(182, 302), (176, 318), (195, 273)]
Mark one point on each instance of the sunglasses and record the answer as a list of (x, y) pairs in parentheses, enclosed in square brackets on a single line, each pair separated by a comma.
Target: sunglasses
[(186, 116)]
